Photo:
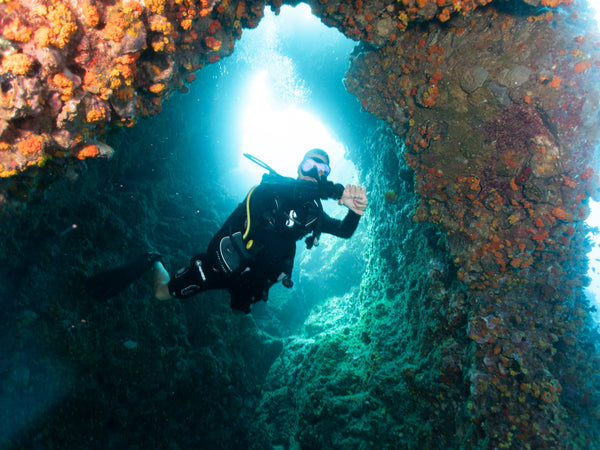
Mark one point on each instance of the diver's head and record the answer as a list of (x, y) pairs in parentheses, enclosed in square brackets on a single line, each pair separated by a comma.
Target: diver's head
[(314, 166)]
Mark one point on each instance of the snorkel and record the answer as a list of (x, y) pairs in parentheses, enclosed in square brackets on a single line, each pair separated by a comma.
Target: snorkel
[(260, 163)]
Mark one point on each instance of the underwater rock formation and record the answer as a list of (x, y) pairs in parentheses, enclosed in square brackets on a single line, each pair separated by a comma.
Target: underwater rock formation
[(474, 331), (500, 117), (70, 68)]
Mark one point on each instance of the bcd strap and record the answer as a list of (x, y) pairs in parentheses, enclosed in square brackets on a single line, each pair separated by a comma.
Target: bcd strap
[(313, 239)]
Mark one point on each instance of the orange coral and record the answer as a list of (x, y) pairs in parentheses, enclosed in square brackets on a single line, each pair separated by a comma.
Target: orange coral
[(115, 28), (63, 23), (31, 145), (555, 82), (17, 63), (40, 10), (430, 95), (444, 15), (123, 71), (133, 7), (63, 82), (186, 24), (89, 151), (435, 77), (16, 31), (95, 115), (161, 24), (156, 6), (158, 46), (214, 26), (554, 3), (213, 43), (90, 79), (157, 88), (130, 58), (7, 173), (582, 66), (561, 214), (43, 36), (90, 13), (588, 173), (92, 83)]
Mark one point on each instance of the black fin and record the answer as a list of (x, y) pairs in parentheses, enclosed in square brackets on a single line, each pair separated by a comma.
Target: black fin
[(114, 281)]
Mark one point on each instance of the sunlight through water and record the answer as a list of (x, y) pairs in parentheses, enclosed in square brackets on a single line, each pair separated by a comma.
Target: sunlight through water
[(593, 221), (593, 289), (280, 134), (275, 122)]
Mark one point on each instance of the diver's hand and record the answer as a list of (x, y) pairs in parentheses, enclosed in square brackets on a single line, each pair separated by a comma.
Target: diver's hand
[(355, 198)]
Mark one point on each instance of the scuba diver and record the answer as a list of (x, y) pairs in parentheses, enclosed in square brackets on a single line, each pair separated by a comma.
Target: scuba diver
[(256, 245)]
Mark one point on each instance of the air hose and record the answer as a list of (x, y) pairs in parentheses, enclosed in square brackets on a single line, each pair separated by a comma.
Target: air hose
[(250, 242)]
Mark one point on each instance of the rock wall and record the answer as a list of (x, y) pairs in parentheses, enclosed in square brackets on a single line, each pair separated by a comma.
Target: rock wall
[(374, 378), (474, 330), (484, 340), (499, 115), (71, 69), (129, 372)]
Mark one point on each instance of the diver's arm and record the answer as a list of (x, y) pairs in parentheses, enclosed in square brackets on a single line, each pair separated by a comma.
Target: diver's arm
[(340, 228), (355, 199), (300, 190)]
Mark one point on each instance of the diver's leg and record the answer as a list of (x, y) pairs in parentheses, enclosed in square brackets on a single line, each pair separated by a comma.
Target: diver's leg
[(199, 276), (161, 282), (111, 282)]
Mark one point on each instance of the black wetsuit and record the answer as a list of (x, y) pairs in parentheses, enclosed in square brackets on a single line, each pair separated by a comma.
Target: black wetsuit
[(247, 259)]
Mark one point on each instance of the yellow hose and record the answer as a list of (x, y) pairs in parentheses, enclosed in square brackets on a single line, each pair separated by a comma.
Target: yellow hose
[(250, 242)]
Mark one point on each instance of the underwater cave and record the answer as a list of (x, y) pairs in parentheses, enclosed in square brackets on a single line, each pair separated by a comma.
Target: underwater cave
[(458, 315)]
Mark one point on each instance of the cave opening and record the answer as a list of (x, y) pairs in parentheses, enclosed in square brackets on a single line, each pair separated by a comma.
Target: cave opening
[(291, 69), (278, 95)]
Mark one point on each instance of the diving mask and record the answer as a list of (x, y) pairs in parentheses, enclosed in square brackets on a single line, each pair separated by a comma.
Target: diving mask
[(308, 166)]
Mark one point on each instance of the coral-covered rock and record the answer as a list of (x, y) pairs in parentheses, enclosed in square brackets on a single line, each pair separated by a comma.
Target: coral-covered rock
[(475, 329), (497, 140), (48, 45)]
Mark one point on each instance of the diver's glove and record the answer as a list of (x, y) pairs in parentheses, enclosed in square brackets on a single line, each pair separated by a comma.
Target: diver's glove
[(329, 189)]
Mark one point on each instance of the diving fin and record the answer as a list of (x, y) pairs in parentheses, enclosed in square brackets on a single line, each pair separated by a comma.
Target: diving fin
[(113, 281)]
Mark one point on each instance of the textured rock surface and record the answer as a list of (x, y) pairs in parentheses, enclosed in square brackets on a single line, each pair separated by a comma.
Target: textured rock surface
[(70, 68), (472, 329), (504, 171)]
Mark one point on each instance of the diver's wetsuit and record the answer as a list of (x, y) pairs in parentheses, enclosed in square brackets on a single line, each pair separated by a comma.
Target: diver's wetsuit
[(248, 258)]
